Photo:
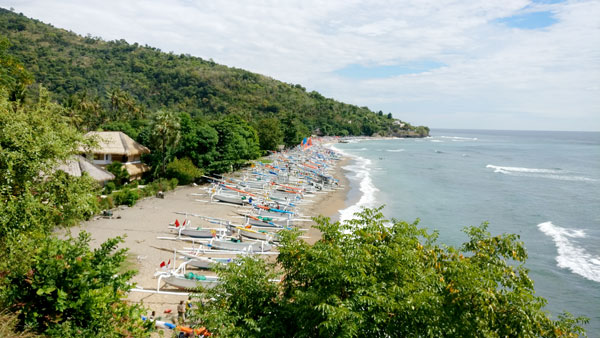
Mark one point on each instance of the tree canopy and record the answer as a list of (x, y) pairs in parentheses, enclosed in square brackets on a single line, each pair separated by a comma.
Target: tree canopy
[(376, 277)]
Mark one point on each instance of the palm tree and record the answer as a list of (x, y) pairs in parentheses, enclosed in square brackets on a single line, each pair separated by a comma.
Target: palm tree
[(165, 133)]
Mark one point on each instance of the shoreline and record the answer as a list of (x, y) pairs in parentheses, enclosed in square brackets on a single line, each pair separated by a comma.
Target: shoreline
[(336, 201), (141, 224)]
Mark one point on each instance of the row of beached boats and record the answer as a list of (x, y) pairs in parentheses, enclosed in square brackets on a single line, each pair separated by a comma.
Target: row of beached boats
[(268, 197)]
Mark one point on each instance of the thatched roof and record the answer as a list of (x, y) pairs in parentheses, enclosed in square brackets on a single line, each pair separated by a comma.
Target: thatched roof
[(135, 169), (116, 142), (79, 164)]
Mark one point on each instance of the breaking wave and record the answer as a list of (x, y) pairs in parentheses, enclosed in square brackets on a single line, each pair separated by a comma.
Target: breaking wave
[(395, 150), (570, 255), (499, 169), (459, 139), (361, 169), (556, 174)]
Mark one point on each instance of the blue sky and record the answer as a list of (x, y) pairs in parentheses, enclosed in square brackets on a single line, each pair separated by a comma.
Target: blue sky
[(358, 71), (532, 20), (494, 64)]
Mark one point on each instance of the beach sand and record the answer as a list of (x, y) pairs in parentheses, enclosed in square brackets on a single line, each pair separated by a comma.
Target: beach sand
[(141, 224)]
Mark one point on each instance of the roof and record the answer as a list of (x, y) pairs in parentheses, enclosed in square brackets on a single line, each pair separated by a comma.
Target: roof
[(135, 169), (79, 164), (116, 142)]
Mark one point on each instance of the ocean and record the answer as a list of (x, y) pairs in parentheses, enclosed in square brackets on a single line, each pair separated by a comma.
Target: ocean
[(544, 186)]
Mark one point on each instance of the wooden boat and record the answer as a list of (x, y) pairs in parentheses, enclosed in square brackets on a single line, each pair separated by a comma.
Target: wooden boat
[(182, 280), (234, 245), (199, 232), (265, 222), (192, 282), (254, 234), (230, 198), (205, 262), (235, 196)]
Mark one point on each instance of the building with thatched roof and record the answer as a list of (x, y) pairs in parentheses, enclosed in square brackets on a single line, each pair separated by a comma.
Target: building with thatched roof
[(77, 165), (116, 146)]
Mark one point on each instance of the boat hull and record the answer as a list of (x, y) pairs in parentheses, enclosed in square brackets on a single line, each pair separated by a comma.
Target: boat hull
[(240, 246), (230, 199), (199, 233), (190, 284)]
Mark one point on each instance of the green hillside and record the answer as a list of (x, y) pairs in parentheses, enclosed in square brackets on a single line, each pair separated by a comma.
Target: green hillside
[(115, 77)]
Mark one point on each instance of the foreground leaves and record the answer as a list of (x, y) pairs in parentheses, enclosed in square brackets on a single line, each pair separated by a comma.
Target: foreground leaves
[(374, 277), (72, 290)]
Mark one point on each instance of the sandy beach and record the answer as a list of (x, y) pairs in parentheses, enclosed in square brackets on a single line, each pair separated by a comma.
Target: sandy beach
[(141, 224)]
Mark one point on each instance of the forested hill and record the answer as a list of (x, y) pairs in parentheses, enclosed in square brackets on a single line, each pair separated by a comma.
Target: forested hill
[(115, 75)]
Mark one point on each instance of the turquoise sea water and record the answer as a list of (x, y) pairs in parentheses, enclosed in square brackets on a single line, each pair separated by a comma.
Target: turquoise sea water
[(544, 186)]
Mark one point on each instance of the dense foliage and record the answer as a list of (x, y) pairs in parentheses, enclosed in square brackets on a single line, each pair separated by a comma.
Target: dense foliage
[(183, 170), (56, 287), (70, 290), (103, 82), (378, 278)]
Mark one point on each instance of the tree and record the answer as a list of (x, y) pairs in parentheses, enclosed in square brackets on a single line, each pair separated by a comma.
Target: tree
[(122, 106), (183, 170), (198, 141), (34, 140), (165, 134), (293, 131), (238, 143), (377, 277), (85, 110), (121, 174), (56, 287), (422, 131), (269, 133), (13, 76), (70, 290)]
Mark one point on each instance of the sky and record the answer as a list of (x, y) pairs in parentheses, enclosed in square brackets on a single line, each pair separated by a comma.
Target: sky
[(473, 64)]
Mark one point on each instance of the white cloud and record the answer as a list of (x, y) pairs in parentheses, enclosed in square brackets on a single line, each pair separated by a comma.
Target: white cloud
[(495, 76)]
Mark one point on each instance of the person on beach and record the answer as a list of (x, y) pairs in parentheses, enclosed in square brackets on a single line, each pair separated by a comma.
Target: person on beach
[(152, 318), (181, 312)]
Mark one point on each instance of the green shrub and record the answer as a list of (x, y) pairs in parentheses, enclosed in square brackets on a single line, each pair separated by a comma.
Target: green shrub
[(106, 203), (121, 174), (126, 197), (109, 187), (172, 184), (183, 170), (74, 291)]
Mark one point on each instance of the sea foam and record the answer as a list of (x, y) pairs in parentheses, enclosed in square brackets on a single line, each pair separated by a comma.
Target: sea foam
[(555, 174), (499, 169), (459, 139), (395, 150), (361, 168), (570, 255)]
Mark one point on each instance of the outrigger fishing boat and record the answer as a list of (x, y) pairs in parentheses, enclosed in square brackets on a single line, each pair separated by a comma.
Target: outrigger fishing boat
[(254, 234), (181, 279), (266, 222), (206, 263), (237, 245), (199, 232), (235, 196)]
